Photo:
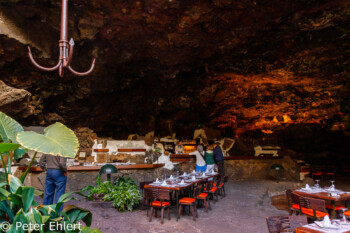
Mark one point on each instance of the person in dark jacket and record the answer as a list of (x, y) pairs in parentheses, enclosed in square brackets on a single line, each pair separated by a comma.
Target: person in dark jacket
[(56, 177), (219, 159)]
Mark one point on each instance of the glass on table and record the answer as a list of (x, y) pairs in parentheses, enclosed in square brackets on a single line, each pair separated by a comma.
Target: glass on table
[(332, 187), (317, 185)]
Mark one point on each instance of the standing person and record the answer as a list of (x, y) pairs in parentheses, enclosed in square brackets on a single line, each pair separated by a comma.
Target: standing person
[(209, 158), (56, 177), (179, 148), (219, 159), (200, 163)]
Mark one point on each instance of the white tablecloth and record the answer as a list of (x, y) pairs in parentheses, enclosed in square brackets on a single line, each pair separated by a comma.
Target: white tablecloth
[(344, 228)]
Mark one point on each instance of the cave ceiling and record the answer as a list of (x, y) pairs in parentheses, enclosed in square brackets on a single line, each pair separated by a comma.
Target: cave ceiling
[(171, 65)]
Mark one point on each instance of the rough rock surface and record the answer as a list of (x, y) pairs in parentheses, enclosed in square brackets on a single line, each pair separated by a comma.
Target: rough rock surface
[(86, 139), (169, 66), (14, 102)]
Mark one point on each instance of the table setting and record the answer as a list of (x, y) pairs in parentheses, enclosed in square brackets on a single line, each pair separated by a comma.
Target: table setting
[(331, 190), (330, 226)]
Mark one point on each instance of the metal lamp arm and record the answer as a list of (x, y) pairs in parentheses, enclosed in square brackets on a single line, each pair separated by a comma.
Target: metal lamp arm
[(83, 73), (41, 67)]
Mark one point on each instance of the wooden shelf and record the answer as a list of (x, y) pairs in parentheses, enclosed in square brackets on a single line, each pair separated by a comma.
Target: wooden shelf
[(250, 158), (97, 168), (131, 150), (101, 150)]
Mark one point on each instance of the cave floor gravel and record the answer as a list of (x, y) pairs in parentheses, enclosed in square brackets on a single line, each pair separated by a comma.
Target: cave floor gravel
[(243, 210)]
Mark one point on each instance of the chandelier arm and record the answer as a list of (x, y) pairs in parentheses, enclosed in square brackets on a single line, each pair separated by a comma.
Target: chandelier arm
[(39, 66), (83, 73)]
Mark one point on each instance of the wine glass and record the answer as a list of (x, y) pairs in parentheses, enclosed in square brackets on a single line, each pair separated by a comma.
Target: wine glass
[(344, 217), (317, 186), (332, 187)]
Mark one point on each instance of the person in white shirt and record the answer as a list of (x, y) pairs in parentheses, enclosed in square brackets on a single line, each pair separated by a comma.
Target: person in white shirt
[(165, 158), (200, 162), (179, 148)]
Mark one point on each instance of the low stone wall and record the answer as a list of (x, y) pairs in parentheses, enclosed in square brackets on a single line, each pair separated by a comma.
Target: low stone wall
[(260, 168)]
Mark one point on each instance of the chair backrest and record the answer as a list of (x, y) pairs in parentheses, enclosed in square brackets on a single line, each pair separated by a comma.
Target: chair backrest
[(297, 221), (277, 224), (142, 184), (315, 204), (296, 199), (161, 194), (209, 185), (197, 190), (147, 193), (289, 197)]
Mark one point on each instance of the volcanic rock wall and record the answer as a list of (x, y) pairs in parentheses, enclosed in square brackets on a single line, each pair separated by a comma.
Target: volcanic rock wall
[(171, 65)]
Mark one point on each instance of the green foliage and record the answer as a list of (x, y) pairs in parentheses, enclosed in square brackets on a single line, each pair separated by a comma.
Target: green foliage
[(57, 140), (9, 128), (124, 193), (17, 201), (17, 205)]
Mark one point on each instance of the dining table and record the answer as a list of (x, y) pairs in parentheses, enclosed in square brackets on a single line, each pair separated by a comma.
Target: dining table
[(311, 228), (323, 195), (178, 187)]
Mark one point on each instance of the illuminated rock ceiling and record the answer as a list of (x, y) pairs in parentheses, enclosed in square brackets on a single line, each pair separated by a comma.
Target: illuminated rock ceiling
[(171, 65)]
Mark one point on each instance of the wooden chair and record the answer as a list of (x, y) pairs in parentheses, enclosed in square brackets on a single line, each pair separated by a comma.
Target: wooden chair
[(160, 200), (203, 197), (293, 202), (313, 208), (146, 194), (277, 224), (210, 189), (221, 186), (191, 202)]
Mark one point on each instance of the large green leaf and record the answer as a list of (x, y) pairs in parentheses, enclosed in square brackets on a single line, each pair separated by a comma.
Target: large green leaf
[(27, 197), (57, 140), (9, 128), (6, 147), (14, 182), (75, 214)]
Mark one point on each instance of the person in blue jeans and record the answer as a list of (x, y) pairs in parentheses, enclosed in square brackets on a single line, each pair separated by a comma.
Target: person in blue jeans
[(200, 162), (56, 177)]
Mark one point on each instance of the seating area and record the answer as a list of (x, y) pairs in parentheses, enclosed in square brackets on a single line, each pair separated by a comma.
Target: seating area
[(184, 192), (323, 208)]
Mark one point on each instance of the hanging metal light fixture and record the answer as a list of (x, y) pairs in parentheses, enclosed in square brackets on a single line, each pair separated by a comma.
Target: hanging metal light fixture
[(66, 49)]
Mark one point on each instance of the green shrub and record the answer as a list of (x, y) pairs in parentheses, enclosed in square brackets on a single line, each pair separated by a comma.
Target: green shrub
[(124, 193)]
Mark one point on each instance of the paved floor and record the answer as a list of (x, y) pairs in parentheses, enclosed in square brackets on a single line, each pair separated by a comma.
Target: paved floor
[(243, 210)]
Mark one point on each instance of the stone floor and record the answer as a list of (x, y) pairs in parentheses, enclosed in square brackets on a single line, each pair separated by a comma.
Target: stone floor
[(243, 210)]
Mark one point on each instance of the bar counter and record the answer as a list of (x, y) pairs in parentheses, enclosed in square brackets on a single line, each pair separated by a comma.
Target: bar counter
[(97, 168)]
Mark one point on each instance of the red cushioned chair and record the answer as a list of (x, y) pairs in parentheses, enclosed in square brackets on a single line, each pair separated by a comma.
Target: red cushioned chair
[(160, 200), (221, 186), (191, 202), (313, 208), (211, 190), (347, 213), (203, 197)]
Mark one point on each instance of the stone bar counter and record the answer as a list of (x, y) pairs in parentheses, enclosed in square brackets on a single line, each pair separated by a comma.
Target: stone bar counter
[(80, 176)]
